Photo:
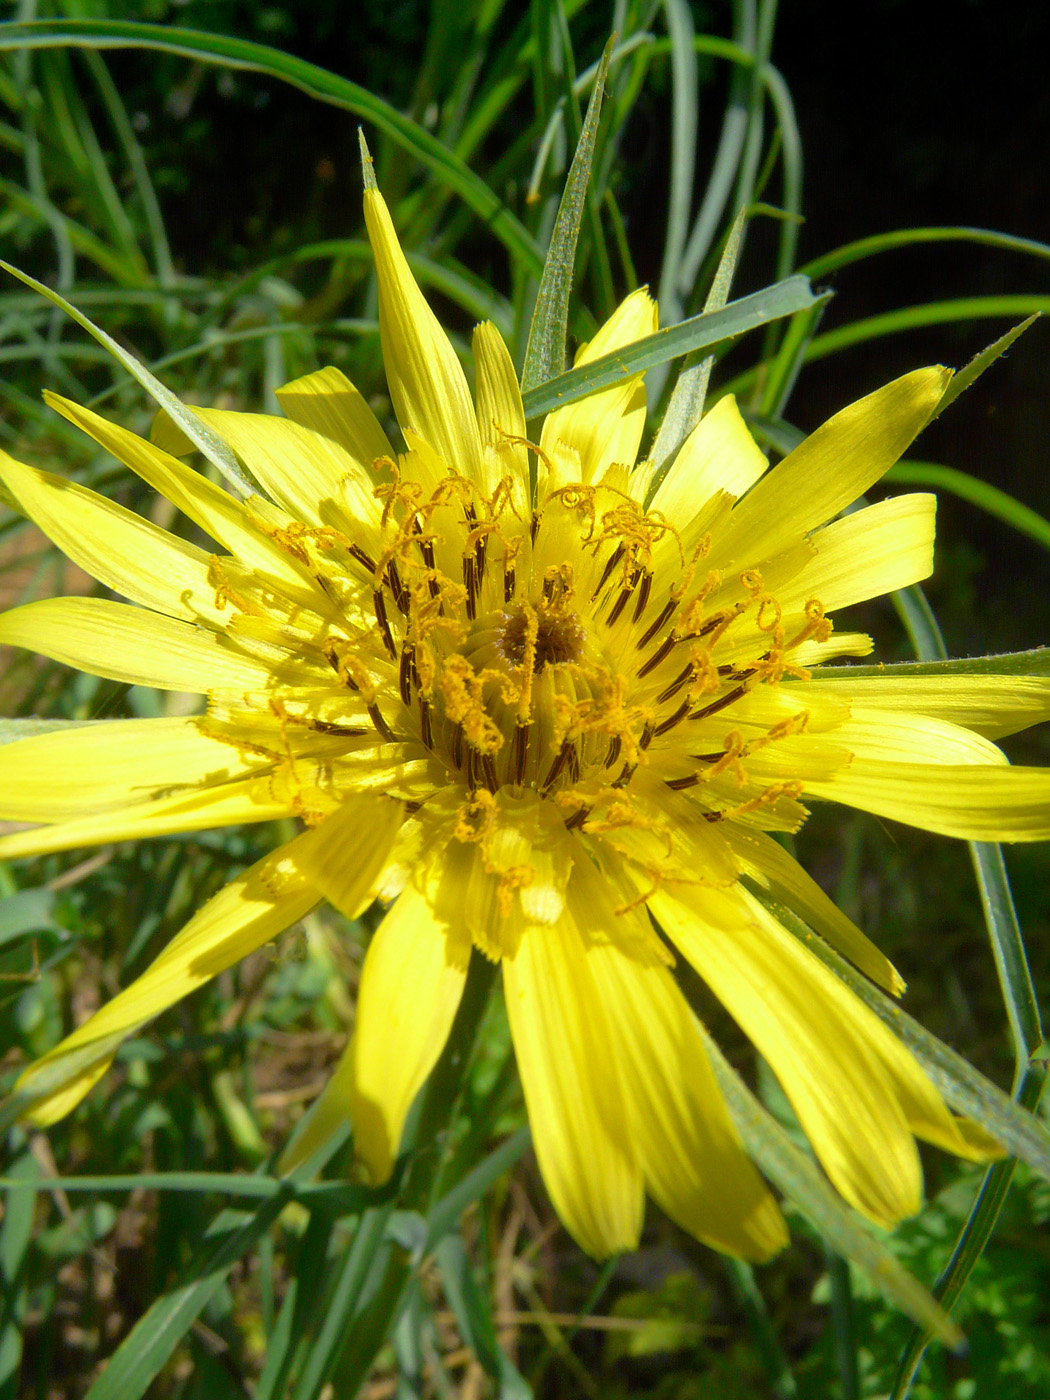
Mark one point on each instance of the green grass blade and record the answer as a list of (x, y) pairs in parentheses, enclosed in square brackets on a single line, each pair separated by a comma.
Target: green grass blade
[(684, 101), (202, 437), (15, 1234), (545, 352), (933, 313), (1009, 663), (701, 332), (798, 1177), (687, 399), (474, 1318), (748, 1294), (979, 493), (907, 237), (316, 82), (444, 1216), (155, 1336)]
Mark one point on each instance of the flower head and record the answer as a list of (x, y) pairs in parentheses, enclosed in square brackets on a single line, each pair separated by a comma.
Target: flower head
[(548, 709)]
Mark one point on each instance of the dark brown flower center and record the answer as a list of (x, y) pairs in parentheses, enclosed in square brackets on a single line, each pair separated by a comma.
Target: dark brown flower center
[(558, 636)]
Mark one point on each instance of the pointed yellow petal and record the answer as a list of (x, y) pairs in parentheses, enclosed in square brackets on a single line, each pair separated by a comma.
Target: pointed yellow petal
[(869, 553), (606, 427), (690, 1152), (227, 804), (426, 381), (131, 645), (500, 414), (330, 1112), (837, 1062), (213, 509), (249, 912), (567, 1060), (117, 547), (884, 736), (327, 402), (830, 469), (990, 705), (718, 455), (766, 861), (312, 477), (411, 986), (350, 849), (973, 802), (98, 767)]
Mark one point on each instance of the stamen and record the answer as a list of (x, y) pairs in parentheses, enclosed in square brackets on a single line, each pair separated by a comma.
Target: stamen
[(675, 685), (654, 627), (642, 600), (728, 699), (614, 559), (623, 599), (366, 562), (560, 763), (379, 603), (508, 583), (425, 731), (397, 588), (577, 819), (456, 746), (471, 582), (405, 672), (680, 784), (519, 754), (663, 650), (613, 751), (488, 770), (676, 718), (380, 723)]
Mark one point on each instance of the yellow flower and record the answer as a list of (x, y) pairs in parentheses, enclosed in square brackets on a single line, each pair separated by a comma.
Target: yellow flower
[(544, 711)]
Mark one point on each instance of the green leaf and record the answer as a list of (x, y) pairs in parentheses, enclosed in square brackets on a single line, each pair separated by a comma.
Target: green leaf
[(796, 1175), (545, 352), (15, 1233), (474, 1318), (700, 332), (25, 912), (155, 1336), (316, 82)]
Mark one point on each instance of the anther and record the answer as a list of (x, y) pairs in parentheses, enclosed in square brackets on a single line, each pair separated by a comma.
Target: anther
[(728, 699), (508, 584), (380, 723), (456, 745), (368, 564), (425, 732), (612, 753), (397, 588), (519, 754), (642, 600), (560, 763), (675, 686), (379, 603), (676, 718), (665, 647), (405, 672), (679, 784), (613, 560), (488, 771), (470, 581), (654, 627), (577, 819)]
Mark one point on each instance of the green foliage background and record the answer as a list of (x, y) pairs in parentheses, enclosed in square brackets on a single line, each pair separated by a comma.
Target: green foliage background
[(209, 218)]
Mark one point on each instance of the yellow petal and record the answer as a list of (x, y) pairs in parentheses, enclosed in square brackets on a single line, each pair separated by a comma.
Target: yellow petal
[(838, 1064), (869, 553), (213, 509), (718, 455), (411, 986), (426, 381), (690, 1152), (117, 547), (973, 802), (312, 477), (97, 767), (249, 912), (500, 414), (567, 1060), (990, 705), (885, 736), (830, 469), (606, 427), (327, 402), (131, 645), (350, 848), (227, 804), (766, 861)]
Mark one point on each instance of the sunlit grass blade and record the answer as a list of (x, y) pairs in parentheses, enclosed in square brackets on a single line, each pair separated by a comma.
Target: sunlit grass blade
[(158, 1332), (687, 399), (1009, 663), (545, 352), (198, 432), (697, 333), (932, 313), (965, 1088), (307, 77), (796, 1175)]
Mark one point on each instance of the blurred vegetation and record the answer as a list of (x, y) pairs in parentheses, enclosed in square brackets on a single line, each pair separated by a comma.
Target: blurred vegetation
[(208, 217)]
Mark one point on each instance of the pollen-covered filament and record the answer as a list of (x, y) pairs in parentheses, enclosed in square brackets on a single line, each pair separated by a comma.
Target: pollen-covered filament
[(561, 650)]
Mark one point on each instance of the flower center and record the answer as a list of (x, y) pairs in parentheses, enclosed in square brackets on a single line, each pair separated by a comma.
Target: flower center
[(558, 636)]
